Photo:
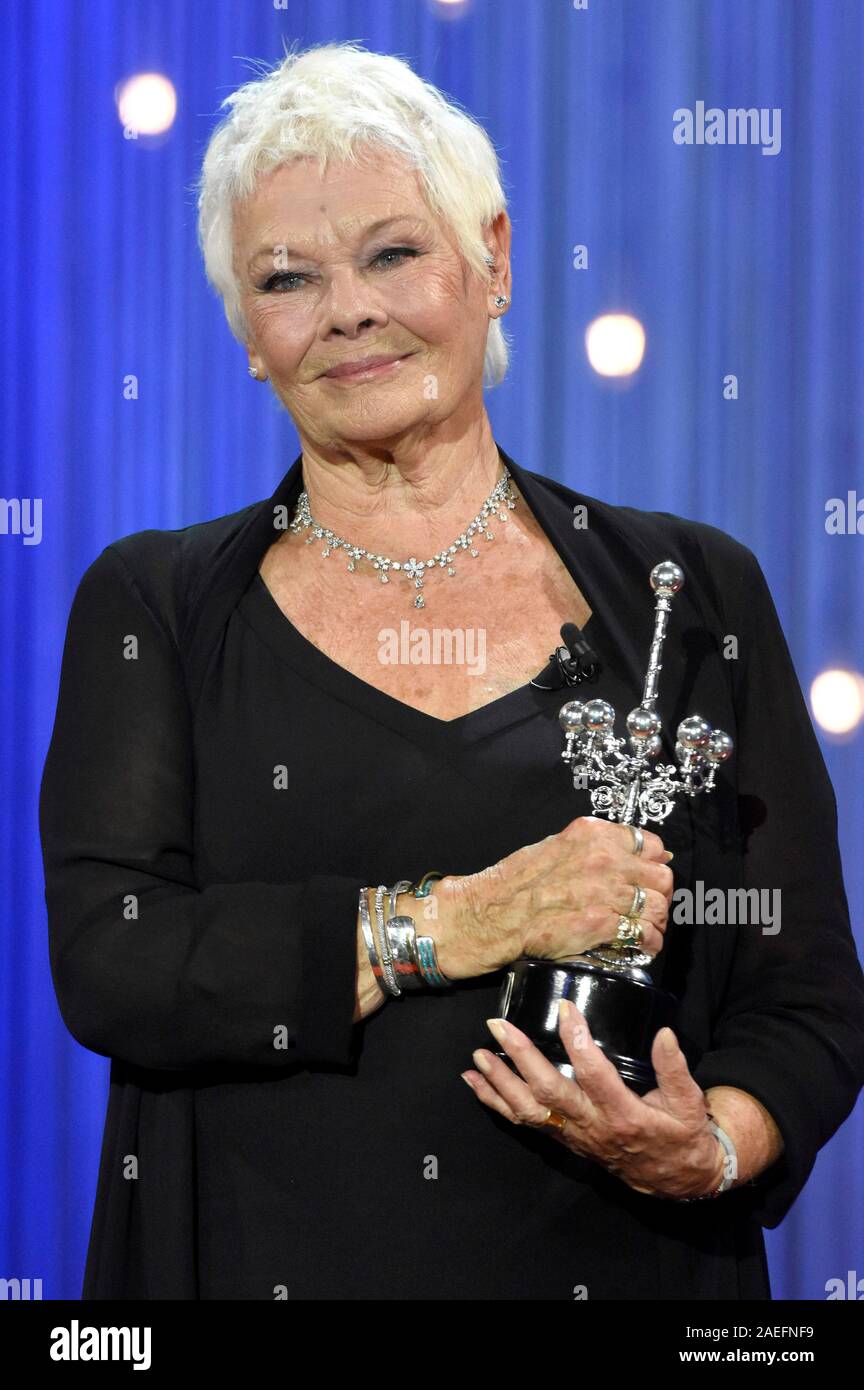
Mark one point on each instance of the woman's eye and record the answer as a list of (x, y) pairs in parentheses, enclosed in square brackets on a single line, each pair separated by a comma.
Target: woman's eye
[(279, 280), (397, 251)]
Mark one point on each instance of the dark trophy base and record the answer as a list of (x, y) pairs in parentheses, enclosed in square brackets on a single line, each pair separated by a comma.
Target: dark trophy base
[(622, 1007)]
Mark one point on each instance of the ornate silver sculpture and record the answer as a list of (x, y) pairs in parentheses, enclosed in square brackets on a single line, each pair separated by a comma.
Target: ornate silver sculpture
[(623, 785), (620, 1001)]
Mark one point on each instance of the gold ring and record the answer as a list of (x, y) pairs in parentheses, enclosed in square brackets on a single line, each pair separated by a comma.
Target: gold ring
[(629, 931), (554, 1120)]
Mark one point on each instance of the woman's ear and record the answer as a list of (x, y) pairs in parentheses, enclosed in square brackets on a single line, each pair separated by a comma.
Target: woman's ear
[(498, 238)]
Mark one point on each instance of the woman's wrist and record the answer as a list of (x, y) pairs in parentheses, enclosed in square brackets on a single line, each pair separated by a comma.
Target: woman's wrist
[(751, 1141), (433, 915), (716, 1173), (451, 925), (751, 1127), (698, 1174), (447, 914)]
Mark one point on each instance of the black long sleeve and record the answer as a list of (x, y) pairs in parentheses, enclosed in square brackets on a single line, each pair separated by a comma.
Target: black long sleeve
[(201, 974), (791, 1028)]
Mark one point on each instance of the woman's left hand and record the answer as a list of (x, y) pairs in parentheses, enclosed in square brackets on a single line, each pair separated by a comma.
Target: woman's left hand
[(659, 1143)]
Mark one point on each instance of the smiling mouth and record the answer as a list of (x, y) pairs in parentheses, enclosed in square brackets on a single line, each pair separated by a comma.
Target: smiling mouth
[(375, 367)]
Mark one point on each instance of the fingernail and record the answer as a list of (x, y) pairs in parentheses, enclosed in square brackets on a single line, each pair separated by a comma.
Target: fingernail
[(668, 1041), (497, 1027), (565, 1013), (482, 1063), (467, 1079), (667, 855)]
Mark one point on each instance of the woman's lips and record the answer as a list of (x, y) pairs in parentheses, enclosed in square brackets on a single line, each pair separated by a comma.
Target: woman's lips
[(377, 366)]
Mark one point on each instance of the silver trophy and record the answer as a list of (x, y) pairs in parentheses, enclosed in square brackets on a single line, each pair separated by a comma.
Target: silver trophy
[(610, 983)]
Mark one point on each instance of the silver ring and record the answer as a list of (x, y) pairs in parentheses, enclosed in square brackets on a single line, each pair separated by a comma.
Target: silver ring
[(638, 902), (638, 839), (629, 932)]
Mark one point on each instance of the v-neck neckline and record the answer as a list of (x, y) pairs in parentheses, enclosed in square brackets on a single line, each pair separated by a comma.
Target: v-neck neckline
[(261, 609)]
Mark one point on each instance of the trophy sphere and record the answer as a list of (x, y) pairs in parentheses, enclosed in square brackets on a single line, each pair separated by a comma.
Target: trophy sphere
[(598, 715), (719, 747), (667, 576), (570, 715), (694, 732), (642, 723)]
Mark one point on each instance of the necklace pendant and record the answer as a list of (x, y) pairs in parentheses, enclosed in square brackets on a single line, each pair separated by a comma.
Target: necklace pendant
[(419, 601)]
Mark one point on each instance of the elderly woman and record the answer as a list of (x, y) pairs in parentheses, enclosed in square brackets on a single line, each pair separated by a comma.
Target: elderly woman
[(256, 764)]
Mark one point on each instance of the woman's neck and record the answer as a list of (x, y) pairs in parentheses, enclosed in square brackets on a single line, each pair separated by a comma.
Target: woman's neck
[(408, 496)]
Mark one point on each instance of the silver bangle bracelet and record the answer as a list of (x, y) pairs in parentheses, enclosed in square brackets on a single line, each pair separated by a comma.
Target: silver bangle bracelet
[(401, 937), (427, 961), (400, 959), (369, 938), (427, 958), (401, 885), (727, 1180), (423, 947), (384, 943)]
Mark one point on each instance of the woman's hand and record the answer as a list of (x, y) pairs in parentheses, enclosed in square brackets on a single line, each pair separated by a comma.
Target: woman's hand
[(553, 899), (658, 1144)]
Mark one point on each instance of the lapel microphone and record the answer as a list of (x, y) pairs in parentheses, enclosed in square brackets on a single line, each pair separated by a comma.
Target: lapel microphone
[(571, 664)]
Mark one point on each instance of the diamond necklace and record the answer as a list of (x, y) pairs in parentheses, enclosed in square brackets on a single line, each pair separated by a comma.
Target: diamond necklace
[(500, 497)]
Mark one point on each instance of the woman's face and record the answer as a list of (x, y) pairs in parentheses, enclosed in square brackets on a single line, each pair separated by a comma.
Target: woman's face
[(323, 285)]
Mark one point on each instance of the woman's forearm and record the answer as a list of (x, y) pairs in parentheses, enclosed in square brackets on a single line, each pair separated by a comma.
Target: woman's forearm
[(751, 1128)]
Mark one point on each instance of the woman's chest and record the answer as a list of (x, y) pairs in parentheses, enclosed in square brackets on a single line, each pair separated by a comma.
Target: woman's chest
[(300, 767), (478, 637)]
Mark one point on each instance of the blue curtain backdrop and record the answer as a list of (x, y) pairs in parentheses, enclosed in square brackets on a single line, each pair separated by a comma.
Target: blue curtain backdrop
[(735, 262)]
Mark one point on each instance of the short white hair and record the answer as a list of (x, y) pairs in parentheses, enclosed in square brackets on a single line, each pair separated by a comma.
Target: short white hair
[(328, 102)]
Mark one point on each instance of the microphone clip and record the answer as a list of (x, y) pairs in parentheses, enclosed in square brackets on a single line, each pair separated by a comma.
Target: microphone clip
[(571, 664)]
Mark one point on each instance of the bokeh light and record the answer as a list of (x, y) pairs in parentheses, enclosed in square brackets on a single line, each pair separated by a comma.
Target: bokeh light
[(837, 700), (615, 344), (147, 103)]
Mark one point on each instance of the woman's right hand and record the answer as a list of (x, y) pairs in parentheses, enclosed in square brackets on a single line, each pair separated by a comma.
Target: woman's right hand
[(553, 899)]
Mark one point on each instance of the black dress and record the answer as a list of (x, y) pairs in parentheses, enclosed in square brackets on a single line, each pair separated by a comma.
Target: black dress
[(213, 799)]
